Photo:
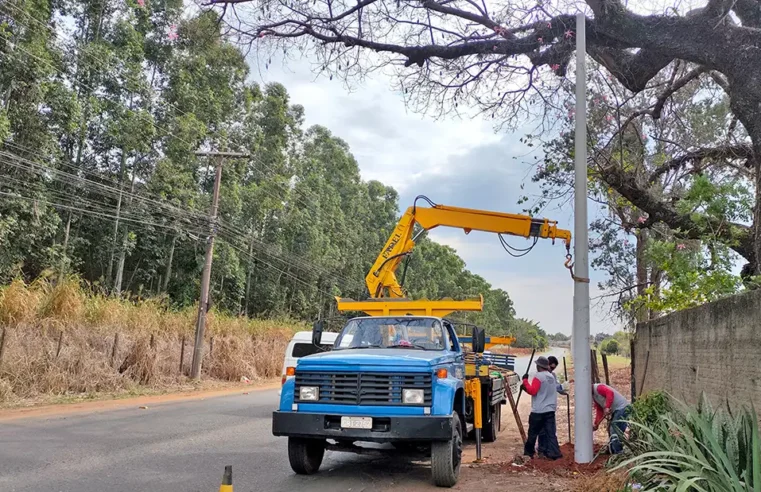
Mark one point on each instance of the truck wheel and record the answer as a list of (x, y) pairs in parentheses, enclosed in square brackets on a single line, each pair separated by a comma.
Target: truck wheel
[(446, 456), (305, 455), (491, 427)]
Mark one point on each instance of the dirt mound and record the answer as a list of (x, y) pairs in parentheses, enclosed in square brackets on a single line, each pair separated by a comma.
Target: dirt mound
[(563, 467)]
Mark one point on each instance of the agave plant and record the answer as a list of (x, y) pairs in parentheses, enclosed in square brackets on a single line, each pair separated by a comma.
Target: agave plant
[(697, 450)]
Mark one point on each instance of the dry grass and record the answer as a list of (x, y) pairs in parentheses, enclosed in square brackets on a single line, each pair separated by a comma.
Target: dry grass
[(602, 481), (59, 340)]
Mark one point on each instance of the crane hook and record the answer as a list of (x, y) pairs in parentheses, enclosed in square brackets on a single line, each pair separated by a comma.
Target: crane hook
[(569, 265)]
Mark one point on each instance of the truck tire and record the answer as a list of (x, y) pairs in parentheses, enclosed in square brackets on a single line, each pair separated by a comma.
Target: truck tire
[(446, 456), (305, 455), (491, 420)]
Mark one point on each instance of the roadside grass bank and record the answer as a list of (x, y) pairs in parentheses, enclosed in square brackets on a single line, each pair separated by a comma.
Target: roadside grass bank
[(60, 342)]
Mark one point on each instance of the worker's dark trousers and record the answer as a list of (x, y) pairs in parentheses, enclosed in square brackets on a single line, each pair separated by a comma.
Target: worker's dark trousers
[(616, 430), (542, 423)]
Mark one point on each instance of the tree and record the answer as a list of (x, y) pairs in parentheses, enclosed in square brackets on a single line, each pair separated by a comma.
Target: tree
[(528, 334), (558, 337), (497, 60), (609, 346), (653, 268), (99, 177)]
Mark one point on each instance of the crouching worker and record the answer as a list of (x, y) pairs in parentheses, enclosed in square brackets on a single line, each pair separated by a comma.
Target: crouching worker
[(544, 399), (609, 402)]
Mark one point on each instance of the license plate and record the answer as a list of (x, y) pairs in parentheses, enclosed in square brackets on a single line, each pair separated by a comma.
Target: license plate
[(356, 422)]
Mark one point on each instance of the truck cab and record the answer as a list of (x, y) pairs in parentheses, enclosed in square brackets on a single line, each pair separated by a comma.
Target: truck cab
[(388, 379)]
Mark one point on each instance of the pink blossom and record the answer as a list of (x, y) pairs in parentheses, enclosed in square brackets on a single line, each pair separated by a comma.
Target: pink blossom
[(540, 40), (680, 246), (555, 67), (568, 34), (141, 3), (549, 25), (626, 242), (494, 48), (642, 220), (608, 118), (173, 32)]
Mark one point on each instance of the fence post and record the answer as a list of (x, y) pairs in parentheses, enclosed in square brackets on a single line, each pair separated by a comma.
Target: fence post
[(605, 368), (153, 341), (2, 344), (114, 348), (182, 353), (634, 383), (595, 369), (60, 344)]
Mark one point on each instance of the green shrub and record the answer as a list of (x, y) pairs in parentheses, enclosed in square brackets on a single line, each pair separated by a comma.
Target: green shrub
[(609, 346), (650, 407)]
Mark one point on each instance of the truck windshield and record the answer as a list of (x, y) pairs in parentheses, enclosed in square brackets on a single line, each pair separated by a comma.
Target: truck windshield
[(412, 333)]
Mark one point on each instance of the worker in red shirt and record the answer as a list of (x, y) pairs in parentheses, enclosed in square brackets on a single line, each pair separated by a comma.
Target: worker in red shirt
[(609, 402)]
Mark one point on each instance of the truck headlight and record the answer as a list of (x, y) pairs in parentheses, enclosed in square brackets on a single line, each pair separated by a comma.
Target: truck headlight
[(309, 393), (412, 396)]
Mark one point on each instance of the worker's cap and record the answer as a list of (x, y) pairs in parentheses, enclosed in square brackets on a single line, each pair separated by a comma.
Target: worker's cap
[(542, 362)]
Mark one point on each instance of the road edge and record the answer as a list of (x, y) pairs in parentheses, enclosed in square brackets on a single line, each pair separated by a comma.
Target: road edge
[(87, 407)]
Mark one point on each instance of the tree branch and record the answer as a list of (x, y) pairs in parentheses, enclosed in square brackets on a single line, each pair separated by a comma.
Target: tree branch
[(728, 152), (633, 71), (749, 12), (739, 237), (673, 88)]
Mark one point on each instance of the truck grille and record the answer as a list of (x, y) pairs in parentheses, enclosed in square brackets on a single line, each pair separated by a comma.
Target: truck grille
[(349, 388)]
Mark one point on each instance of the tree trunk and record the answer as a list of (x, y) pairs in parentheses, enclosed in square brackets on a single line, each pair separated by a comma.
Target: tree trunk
[(123, 249), (248, 274), (656, 276), (64, 256), (122, 170), (745, 102), (169, 263), (641, 314)]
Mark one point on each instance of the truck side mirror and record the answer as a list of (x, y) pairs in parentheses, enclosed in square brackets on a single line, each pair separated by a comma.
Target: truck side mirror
[(479, 340), (317, 332)]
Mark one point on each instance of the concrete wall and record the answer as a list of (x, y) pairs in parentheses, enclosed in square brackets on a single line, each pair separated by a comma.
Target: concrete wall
[(715, 348)]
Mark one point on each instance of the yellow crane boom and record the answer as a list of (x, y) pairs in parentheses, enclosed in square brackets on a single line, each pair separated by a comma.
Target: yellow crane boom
[(387, 295)]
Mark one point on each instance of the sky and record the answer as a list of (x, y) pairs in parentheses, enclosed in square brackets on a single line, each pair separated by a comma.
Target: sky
[(459, 162)]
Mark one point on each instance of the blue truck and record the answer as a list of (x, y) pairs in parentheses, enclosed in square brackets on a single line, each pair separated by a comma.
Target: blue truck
[(402, 380)]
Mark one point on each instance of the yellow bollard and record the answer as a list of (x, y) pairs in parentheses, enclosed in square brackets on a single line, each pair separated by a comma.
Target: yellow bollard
[(227, 480)]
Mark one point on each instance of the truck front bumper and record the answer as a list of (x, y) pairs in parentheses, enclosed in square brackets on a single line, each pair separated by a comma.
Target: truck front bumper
[(385, 429)]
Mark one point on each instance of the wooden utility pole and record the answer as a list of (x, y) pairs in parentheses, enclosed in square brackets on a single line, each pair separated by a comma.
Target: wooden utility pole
[(203, 303)]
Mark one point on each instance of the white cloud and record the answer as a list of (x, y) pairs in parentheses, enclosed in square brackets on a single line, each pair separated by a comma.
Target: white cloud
[(391, 143), (452, 161)]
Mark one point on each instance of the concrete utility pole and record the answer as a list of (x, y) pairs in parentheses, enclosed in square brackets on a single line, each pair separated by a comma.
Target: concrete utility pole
[(581, 360), (203, 303)]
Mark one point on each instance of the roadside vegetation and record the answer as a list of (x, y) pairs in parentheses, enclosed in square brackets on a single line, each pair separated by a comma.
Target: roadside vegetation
[(62, 340), (673, 447)]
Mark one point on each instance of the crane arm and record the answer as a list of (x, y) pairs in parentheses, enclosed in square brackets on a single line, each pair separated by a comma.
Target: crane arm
[(382, 281)]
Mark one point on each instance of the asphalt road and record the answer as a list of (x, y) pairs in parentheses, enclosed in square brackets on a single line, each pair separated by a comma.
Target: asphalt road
[(183, 447), (179, 447)]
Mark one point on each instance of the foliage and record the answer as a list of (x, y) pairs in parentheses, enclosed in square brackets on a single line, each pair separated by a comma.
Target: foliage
[(609, 346), (672, 222), (649, 408), (702, 450), (99, 128), (528, 334)]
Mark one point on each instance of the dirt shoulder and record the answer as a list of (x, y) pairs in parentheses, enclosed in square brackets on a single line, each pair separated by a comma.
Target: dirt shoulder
[(565, 475), (115, 402)]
